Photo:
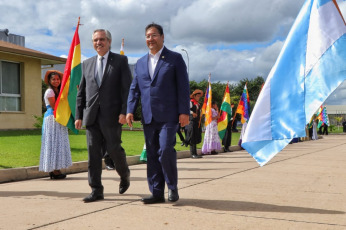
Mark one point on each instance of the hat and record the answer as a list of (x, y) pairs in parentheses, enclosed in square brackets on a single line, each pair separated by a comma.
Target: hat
[(52, 71), (197, 91)]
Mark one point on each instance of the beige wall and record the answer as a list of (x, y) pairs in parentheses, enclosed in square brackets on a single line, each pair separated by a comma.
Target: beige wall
[(31, 91)]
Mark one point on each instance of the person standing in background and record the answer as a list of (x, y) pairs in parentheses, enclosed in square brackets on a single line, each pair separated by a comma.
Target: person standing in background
[(55, 146), (193, 130), (211, 143)]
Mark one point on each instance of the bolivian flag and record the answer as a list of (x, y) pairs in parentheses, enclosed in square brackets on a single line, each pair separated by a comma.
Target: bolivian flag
[(65, 105), (226, 113)]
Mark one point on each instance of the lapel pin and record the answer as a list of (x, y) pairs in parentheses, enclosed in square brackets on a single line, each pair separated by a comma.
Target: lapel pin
[(163, 56)]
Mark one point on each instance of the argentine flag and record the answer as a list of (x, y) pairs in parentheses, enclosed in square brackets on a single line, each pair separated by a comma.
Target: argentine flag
[(310, 66)]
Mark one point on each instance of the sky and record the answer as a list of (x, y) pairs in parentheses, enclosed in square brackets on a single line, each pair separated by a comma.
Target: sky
[(231, 39)]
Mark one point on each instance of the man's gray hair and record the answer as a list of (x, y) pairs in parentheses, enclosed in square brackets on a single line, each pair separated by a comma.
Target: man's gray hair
[(108, 35)]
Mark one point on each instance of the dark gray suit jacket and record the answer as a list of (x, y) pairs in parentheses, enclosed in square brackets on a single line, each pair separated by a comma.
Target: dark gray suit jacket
[(109, 100)]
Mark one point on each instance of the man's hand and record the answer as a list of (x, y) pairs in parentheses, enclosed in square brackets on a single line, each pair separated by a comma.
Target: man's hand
[(122, 119), (129, 119), (184, 120), (78, 124)]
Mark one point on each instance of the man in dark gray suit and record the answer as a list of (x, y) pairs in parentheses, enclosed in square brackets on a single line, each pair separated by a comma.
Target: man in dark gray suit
[(101, 103)]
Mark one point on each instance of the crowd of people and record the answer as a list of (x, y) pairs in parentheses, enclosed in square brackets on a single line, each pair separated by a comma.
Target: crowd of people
[(107, 98)]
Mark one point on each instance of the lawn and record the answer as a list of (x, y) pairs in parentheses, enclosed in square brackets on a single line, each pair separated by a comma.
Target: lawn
[(21, 148)]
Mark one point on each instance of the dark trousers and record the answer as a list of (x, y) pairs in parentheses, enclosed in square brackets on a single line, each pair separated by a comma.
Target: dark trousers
[(193, 149), (160, 139), (226, 141), (99, 135)]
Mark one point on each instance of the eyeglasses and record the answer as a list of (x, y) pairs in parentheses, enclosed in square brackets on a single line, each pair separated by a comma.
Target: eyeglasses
[(151, 36)]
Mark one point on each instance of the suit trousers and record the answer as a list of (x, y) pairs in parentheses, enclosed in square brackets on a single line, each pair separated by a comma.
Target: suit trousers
[(160, 139), (98, 136), (226, 141)]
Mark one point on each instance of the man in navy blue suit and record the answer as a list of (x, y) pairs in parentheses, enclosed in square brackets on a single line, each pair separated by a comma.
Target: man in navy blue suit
[(162, 84)]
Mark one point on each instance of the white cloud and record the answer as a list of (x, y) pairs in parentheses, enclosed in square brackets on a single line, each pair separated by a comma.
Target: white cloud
[(231, 40)]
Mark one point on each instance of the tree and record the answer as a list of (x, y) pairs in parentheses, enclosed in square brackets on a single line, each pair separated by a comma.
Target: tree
[(254, 87), (338, 121), (218, 89)]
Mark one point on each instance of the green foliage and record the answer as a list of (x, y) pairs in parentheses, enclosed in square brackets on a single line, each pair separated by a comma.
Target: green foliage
[(338, 119), (332, 128), (38, 121)]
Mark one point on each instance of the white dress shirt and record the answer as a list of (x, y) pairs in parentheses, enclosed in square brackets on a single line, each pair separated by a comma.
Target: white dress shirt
[(152, 62)]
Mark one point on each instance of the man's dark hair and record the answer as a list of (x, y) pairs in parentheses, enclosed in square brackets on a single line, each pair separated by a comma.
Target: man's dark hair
[(157, 26)]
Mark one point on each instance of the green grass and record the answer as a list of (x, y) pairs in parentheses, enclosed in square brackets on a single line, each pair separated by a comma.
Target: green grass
[(21, 148)]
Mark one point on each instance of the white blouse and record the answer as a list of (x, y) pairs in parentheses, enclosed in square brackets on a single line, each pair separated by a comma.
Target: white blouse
[(48, 94)]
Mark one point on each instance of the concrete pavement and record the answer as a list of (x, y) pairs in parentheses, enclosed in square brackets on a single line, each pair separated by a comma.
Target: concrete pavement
[(303, 187)]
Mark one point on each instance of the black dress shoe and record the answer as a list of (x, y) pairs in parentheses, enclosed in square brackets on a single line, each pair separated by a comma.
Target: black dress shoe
[(196, 156), (153, 200), (173, 195), (57, 176), (124, 184), (109, 163), (93, 197)]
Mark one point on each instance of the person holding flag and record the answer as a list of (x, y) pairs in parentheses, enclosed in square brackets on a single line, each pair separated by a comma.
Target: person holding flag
[(193, 131), (224, 124), (211, 137), (243, 110), (227, 138), (55, 146), (212, 142), (323, 119)]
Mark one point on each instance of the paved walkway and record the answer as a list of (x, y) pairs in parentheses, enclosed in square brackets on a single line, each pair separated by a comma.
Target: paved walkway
[(303, 187)]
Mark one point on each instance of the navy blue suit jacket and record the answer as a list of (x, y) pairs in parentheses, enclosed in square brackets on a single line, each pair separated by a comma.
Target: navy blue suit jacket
[(164, 97)]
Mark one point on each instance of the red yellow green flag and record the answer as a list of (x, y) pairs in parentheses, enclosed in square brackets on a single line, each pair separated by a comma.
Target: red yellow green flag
[(122, 47), (65, 105), (226, 113)]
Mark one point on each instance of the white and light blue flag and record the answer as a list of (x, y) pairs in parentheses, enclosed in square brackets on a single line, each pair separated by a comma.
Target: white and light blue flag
[(310, 66)]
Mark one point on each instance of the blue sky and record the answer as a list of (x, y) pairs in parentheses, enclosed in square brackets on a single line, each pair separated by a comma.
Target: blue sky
[(231, 40)]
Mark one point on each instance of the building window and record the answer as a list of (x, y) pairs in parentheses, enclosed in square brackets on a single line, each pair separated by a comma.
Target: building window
[(10, 97)]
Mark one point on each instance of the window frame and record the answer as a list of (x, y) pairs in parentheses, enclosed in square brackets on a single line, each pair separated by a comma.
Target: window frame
[(12, 95)]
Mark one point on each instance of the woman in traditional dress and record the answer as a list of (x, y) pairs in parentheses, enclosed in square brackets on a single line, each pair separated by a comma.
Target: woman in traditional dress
[(55, 146), (212, 142)]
